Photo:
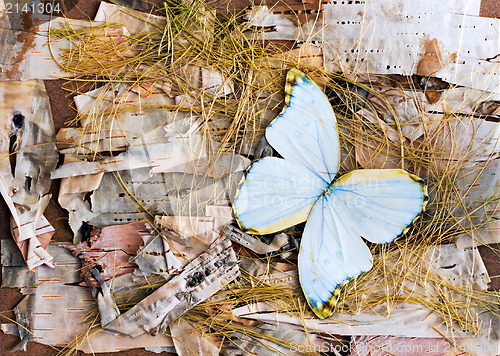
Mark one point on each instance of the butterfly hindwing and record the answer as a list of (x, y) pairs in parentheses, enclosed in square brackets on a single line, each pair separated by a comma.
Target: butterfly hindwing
[(276, 194), (330, 253), (306, 130), (375, 204)]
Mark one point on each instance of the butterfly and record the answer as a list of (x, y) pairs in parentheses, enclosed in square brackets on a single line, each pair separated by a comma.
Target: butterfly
[(377, 205)]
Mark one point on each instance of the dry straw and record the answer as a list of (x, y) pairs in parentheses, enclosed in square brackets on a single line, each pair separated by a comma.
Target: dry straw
[(193, 36)]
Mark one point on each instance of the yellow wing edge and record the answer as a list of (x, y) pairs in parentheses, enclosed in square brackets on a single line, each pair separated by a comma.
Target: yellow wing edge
[(292, 77), (377, 174), (291, 220), (327, 309)]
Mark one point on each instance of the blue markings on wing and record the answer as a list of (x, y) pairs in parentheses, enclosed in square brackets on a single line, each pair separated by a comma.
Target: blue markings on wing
[(374, 204), (306, 131), (277, 194), (330, 253), (378, 204)]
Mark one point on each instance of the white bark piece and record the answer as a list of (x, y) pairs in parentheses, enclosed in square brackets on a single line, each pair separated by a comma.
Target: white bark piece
[(35, 232), (190, 341), (464, 138), (242, 344), (407, 107), (251, 242), (185, 238), (402, 322), (27, 50), (131, 289), (171, 193), (477, 206), (113, 118), (478, 194), (80, 141), (57, 313), (120, 108), (24, 46), (54, 311), (15, 273), (135, 21), (204, 276), (196, 77), (191, 231), (151, 258), (26, 116), (72, 198), (111, 342), (108, 310), (214, 83), (182, 150), (467, 140), (489, 234), (449, 124), (283, 28), (188, 151), (181, 154), (400, 37)]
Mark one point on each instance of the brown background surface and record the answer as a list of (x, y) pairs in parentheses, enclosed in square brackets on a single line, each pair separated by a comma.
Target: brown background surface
[(62, 111)]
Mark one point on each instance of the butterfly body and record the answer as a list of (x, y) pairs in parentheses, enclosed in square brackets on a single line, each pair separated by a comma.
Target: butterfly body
[(278, 193)]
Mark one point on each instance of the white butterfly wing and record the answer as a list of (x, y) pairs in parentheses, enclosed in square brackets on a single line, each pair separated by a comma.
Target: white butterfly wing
[(306, 130), (375, 204), (276, 194), (330, 253), (379, 203)]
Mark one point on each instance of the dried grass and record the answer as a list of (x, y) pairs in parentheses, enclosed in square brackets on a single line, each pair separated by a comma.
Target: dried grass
[(194, 36)]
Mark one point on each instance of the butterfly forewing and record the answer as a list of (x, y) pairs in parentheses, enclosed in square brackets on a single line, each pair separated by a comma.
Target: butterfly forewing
[(306, 130), (276, 194)]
